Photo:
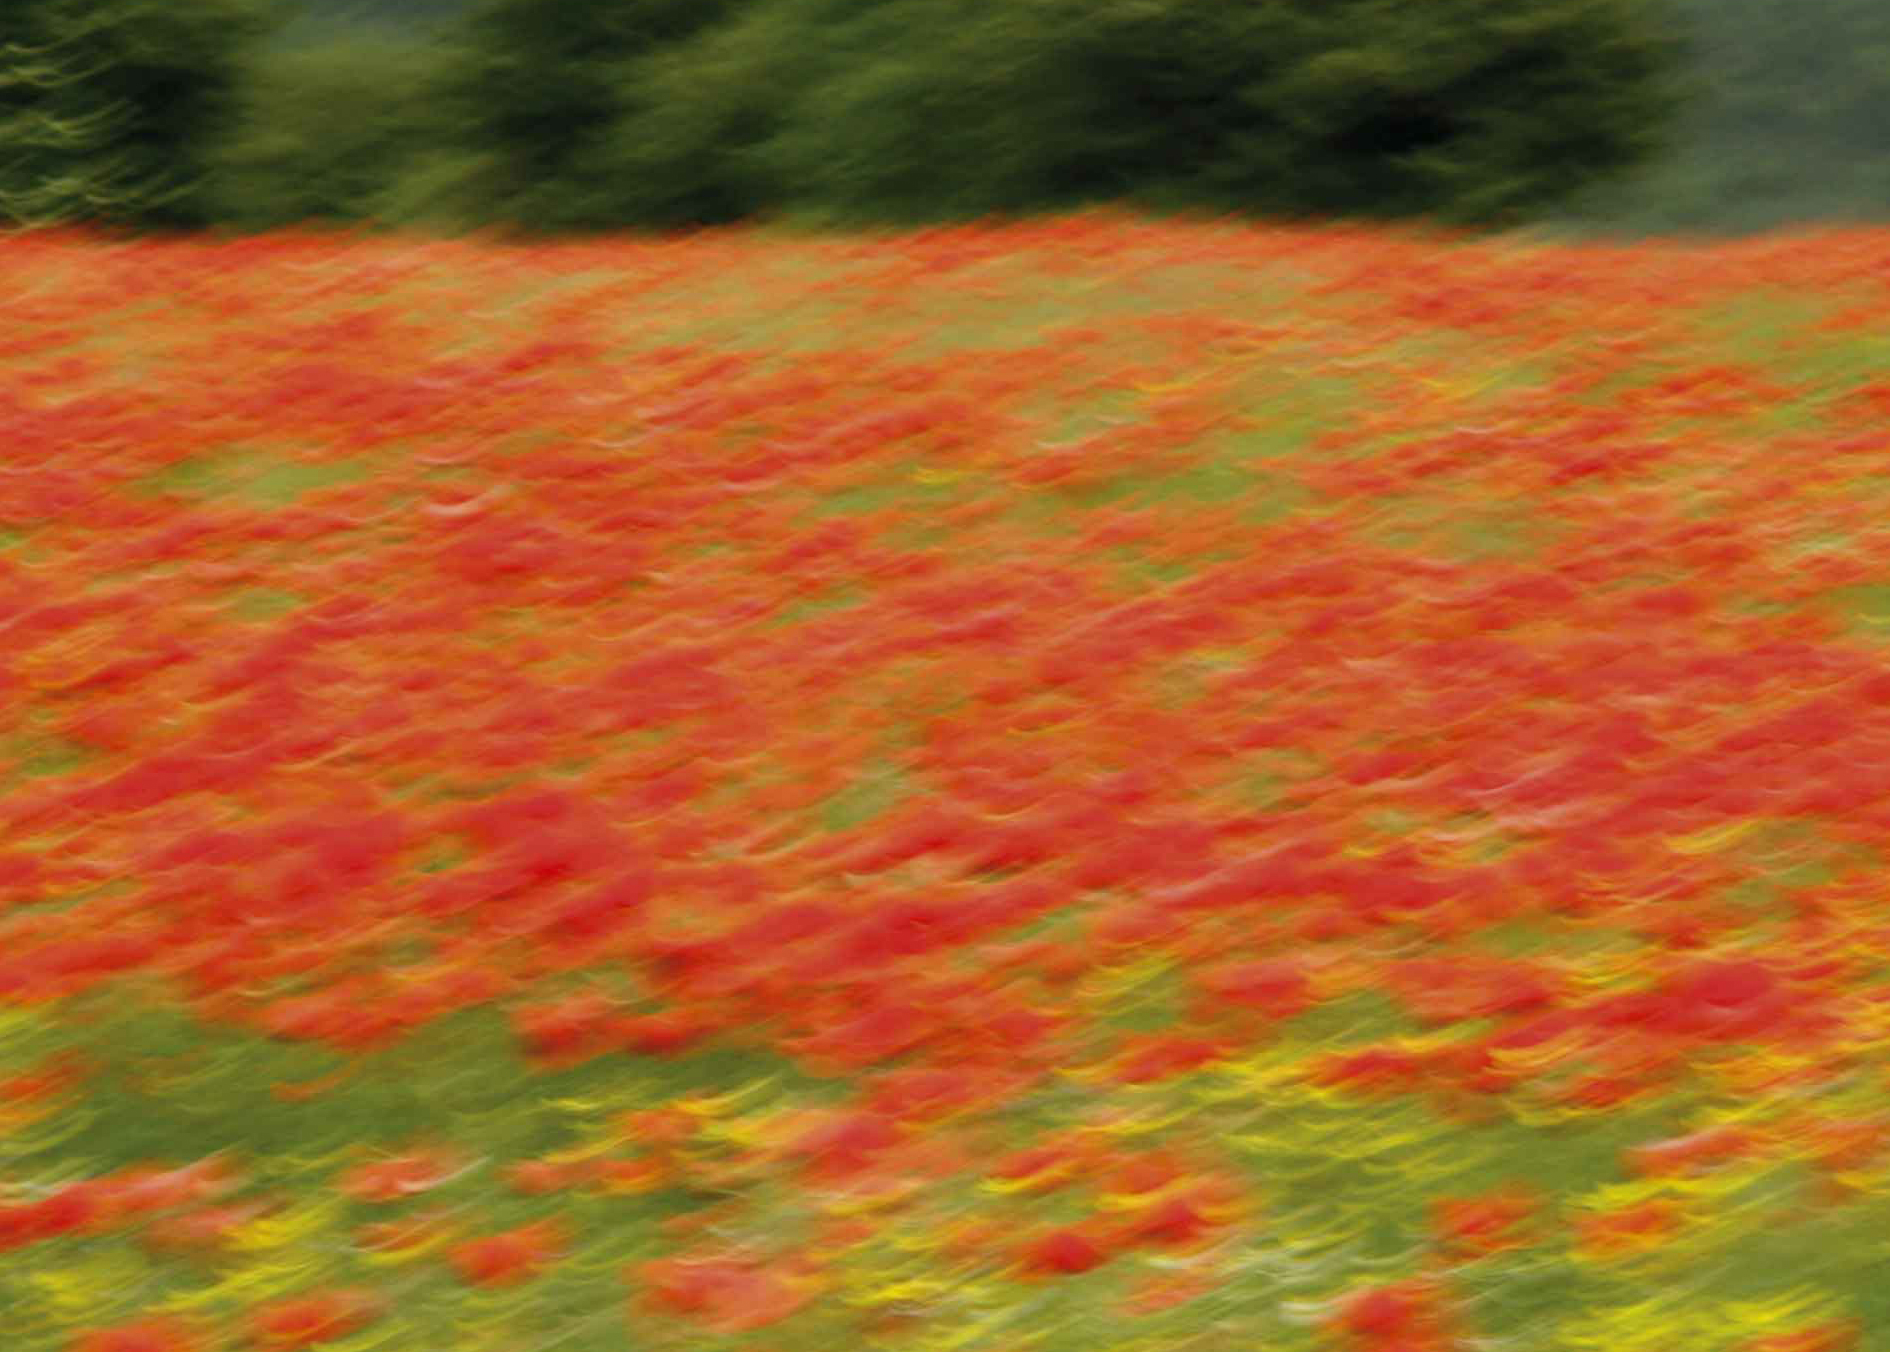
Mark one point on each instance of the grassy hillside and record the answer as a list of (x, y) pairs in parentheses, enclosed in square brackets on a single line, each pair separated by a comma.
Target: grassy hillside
[(1095, 786)]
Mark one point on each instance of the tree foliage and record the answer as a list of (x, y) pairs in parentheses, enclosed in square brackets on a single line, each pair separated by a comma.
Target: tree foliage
[(328, 132), (556, 115), (532, 85), (661, 112), (107, 107)]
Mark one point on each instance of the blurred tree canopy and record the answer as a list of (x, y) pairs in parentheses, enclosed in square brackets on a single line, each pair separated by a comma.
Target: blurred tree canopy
[(324, 130), (107, 107), (558, 115), (602, 113)]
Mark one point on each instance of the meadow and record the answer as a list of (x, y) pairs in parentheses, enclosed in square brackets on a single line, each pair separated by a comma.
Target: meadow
[(1097, 785)]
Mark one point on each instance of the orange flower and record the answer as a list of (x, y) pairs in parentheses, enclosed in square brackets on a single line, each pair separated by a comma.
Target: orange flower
[(535, 1178), (1839, 1336), (1627, 1230), (1687, 1154), (1147, 1172), (657, 1126), (840, 1233), (629, 1176), (1840, 1144), (1375, 1070), (304, 1090), (1166, 1291)]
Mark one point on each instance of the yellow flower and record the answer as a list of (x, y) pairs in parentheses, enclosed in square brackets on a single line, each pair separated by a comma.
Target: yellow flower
[(1714, 838)]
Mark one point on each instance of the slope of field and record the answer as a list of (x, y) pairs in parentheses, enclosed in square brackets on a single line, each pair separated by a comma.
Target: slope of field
[(1098, 785)]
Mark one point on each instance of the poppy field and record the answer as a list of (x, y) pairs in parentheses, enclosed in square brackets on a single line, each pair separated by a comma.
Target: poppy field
[(1095, 785)]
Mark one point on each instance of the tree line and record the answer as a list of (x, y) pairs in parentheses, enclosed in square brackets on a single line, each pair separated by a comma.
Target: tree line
[(555, 116)]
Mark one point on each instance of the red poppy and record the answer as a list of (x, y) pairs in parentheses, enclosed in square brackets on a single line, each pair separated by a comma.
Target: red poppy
[(878, 1034), (68, 1211), (731, 1295), (660, 1034), (1147, 1172), (845, 1144), (931, 829), (142, 1190), (1627, 1229), (1685, 1154), (571, 1029), (1278, 988), (1835, 1336), (509, 1257), (535, 1178), (925, 1094), (1404, 1314), (1061, 1253), (1045, 1167), (1167, 1291), (143, 1335), (1375, 1070), (317, 1318), (1483, 1225), (1158, 1058), (658, 1127), (395, 1179), (1839, 1144), (1176, 1222)]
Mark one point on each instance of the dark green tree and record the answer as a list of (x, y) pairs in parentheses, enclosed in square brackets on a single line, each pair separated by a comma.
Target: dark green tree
[(602, 114), (531, 86), (1478, 112), (329, 131), (108, 107), (693, 144)]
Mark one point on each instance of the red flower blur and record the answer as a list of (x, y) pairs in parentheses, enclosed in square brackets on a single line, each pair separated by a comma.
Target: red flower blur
[(319, 1317), (510, 1257)]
